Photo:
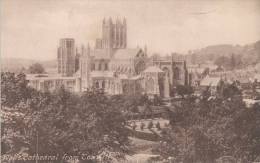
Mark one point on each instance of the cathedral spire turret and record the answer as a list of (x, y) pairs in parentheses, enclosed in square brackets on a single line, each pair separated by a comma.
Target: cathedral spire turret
[(110, 21), (124, 21), (88, 50)]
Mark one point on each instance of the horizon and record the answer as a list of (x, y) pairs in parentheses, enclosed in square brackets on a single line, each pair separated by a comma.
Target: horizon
[(181, 25)]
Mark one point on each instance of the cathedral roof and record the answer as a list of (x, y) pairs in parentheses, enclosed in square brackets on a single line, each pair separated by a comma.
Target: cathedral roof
[(123, 76), (102, 74), (126, 53), (153, 69), (136, 77)]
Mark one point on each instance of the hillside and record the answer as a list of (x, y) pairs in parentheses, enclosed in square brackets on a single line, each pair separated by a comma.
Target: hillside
[(250, 54)]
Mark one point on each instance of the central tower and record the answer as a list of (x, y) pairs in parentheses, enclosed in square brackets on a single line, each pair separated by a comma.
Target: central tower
[(114, 35)]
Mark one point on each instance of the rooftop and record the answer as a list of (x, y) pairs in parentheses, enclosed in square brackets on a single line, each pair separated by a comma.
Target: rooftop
[(127, 53), (48, 77), (153, 69), (210, 81), (102, 74)]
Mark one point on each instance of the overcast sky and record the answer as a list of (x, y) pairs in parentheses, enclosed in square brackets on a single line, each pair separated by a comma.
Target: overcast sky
[(32, 28)]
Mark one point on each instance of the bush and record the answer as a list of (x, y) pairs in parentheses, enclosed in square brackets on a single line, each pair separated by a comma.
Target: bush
[(158, 126), (150, 125), (134, 126), (142, 126)]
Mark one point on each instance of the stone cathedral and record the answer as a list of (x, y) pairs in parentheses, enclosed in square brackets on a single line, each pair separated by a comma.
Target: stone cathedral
[(112, 66)]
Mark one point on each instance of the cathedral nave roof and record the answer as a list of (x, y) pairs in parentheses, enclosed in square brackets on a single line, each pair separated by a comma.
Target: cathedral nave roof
[(126, 53), (153, 69), (104, 74)]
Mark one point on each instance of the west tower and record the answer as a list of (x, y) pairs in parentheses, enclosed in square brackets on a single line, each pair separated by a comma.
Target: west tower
[(66, 57)]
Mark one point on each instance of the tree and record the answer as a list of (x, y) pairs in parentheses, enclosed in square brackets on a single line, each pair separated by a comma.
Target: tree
[(222, 61), (184, 90), (150, 125), (230, 90), (36, 68), (233, 62), (142, 125), (13, 89), (204, 131), (158, 126), (61, 122), (157, 101)]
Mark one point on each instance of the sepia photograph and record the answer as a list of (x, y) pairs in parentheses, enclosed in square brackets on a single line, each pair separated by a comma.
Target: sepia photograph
[(130, 81)]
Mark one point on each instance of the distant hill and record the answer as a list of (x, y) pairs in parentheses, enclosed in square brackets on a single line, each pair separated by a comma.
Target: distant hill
[(250, 54), (18, 64)]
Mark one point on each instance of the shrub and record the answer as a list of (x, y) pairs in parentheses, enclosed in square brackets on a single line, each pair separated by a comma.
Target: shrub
[(158, 126), (134, 126), (150, 125), (142, 126)]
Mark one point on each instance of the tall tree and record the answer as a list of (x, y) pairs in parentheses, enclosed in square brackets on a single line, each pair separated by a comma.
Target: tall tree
[(13, 88), (62, 122), (36, 68), (206, 130), (232, 62)]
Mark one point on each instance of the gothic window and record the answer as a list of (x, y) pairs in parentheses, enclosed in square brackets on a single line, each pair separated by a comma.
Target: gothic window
[(99, 66), (125, 88), (103, 84), (150, 85), (176, 73), (92, 66), (97, 84), (129, 70), (106, 66)]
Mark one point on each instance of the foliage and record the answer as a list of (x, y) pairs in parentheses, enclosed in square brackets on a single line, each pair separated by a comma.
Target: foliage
[(184, 90), (230, 90), (158, 126), (134, 126), (13, 89), (157, 101), (61, 122), (36, 68), (230, 63), (142, 126), (203, 131), (150, 125)]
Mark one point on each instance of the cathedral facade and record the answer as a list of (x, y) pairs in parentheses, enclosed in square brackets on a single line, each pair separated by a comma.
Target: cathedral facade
[(112, 66)]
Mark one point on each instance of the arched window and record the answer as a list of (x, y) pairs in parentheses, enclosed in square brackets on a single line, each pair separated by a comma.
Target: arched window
[(97, 84), (99, 66), (125, 88), (103, 84), (176, 73), (106, 66), (92, 66)]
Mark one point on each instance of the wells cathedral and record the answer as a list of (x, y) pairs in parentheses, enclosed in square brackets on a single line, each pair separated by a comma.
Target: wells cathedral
[(112, 66)]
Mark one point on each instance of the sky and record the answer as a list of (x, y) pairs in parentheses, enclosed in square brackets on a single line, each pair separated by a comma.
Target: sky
[(32, 28)]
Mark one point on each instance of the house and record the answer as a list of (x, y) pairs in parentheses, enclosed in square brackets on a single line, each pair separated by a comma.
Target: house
[(210, 83)]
